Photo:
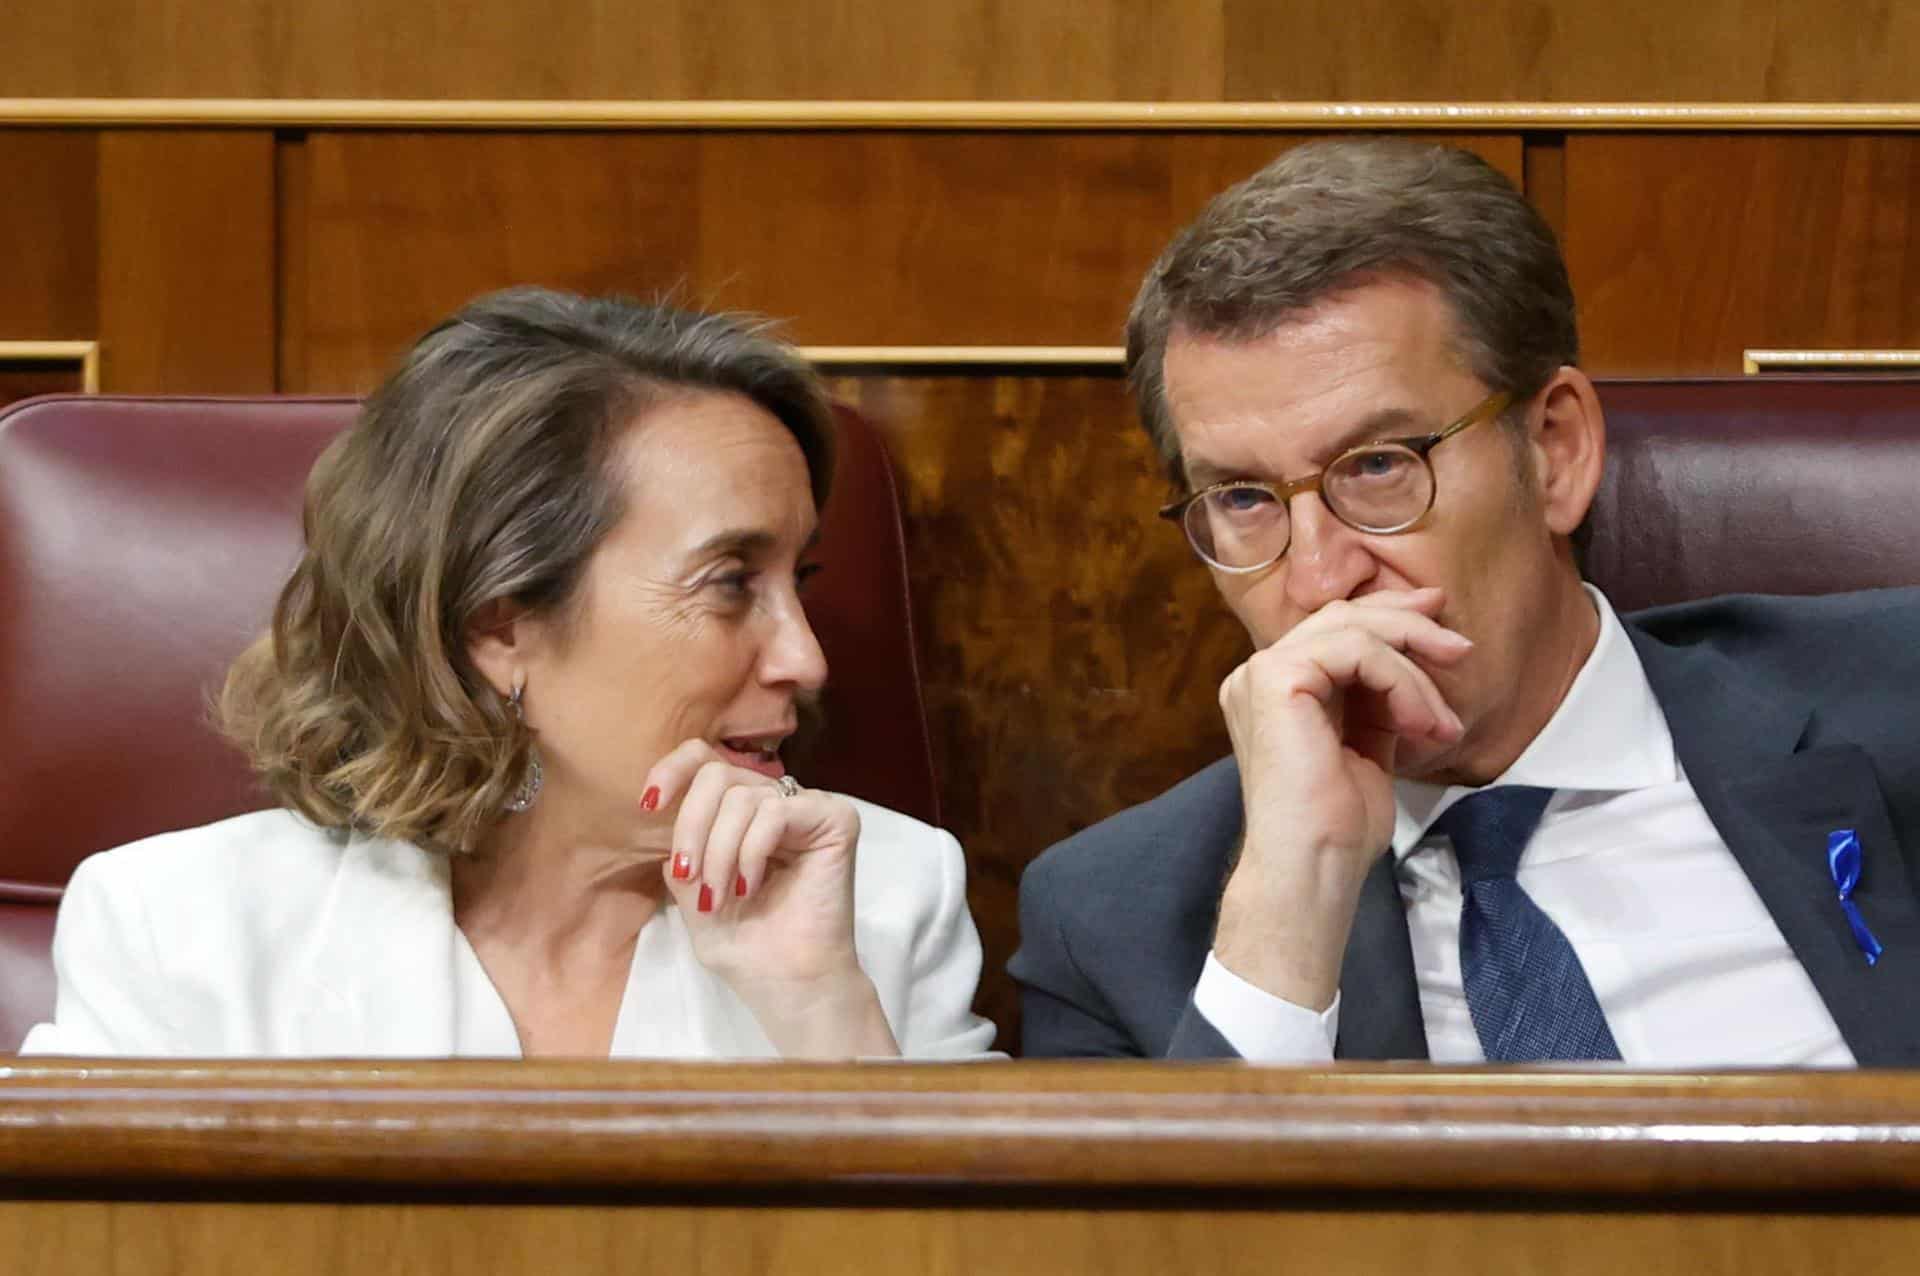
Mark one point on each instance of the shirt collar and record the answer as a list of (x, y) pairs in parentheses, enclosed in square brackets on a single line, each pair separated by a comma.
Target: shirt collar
[(1607, 735)]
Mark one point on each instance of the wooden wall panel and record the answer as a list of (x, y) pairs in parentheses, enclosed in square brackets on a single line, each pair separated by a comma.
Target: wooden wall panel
[(402, 228), (1071, 647), (1685, 250), (1575, 50), (663, 50), (187, 271), (49, 225), (974, 239), (856, 238), (1138, 1237), (1207, 50)]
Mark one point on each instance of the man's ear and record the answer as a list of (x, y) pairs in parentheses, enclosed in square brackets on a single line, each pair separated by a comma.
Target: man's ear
[(1569, 443), (496, 643)]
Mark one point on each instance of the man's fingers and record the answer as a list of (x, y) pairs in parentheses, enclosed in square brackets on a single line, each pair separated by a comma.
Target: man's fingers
[(1408, 628), (1414, 706), (1324, 666)]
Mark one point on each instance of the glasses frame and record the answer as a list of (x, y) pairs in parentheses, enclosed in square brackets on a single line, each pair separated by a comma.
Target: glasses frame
[(1419, 444)]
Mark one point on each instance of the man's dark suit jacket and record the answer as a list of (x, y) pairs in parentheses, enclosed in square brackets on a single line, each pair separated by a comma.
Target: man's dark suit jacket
[(1792, 717)]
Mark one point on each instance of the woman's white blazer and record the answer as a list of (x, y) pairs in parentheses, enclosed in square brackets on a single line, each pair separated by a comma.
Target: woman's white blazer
[(261, 936)]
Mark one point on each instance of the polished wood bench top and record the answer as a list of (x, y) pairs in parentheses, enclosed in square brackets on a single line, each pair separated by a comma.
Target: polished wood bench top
[(639, 1128)]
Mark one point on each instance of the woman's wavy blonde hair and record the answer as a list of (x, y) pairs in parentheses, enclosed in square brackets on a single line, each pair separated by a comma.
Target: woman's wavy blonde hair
[(479, 471)]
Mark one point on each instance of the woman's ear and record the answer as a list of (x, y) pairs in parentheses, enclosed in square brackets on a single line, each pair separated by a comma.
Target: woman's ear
[(1569, 448), (496, 644)]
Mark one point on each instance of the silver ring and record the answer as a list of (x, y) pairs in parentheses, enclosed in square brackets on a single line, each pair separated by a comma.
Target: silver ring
[(788, 786)]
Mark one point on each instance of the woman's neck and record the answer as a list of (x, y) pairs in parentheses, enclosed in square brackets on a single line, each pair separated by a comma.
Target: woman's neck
[(554, 920), (555, 891)]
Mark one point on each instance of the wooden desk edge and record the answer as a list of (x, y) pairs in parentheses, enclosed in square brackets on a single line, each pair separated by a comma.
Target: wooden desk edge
[(639, 1128)]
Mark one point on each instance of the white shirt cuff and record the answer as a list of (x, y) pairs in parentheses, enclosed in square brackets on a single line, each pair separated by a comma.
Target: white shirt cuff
[(1261, 1026)]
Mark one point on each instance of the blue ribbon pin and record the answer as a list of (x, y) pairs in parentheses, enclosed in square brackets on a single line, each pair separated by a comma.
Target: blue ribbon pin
[(1843, 861)]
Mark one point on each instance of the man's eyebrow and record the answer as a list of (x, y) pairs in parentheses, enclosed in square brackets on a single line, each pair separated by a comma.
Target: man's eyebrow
[(1205, 474), (1387, 423)]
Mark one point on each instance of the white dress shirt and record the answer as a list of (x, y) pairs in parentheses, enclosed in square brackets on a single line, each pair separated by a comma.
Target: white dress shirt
[(1688, 966)]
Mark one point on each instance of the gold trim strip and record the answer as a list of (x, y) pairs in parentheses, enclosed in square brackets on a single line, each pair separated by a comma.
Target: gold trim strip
[(965, 356), (84, 353), (1754, 362), (494, 114)]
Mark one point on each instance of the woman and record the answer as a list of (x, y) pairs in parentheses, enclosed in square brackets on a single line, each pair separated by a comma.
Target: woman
[(522, 702)]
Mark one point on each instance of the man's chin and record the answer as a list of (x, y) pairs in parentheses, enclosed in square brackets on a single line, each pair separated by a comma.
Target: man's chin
[(1430, 762), (1420, 759)]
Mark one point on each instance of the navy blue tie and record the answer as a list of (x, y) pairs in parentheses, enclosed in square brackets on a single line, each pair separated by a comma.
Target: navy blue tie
[(1526, 989)]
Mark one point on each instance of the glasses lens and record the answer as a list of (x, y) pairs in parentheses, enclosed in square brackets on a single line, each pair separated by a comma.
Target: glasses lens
[(1379, 489), (1238, 526)]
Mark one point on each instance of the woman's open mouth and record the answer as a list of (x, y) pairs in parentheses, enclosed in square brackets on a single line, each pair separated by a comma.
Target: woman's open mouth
[(755, 753)]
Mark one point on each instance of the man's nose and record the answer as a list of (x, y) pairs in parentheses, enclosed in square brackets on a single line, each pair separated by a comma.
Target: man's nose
[(1326, 559)]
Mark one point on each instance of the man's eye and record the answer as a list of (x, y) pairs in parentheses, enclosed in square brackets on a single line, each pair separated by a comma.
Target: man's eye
[(1380, 463), (732, 583), (1240, 500)]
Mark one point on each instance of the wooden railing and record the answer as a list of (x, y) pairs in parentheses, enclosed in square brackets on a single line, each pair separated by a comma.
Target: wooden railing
[(1058, 1167)]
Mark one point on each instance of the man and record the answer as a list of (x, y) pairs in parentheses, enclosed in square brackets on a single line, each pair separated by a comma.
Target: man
[(1470, 813)]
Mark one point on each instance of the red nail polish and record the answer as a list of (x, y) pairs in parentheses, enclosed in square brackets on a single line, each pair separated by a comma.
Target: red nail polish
[(706, 898), (650, 800), (682, 866), (740, 885)]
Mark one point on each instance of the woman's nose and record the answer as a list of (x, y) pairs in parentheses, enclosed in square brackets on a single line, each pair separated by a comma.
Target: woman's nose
[(793, 653)]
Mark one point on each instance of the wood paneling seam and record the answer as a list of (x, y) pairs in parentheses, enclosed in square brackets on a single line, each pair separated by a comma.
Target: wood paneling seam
[(491, 114)]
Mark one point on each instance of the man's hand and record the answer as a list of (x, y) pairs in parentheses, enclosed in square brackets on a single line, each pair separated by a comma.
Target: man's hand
[(1316, 719)]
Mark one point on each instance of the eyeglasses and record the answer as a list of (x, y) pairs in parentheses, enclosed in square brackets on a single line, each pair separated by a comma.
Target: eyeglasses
[(1382, 487)]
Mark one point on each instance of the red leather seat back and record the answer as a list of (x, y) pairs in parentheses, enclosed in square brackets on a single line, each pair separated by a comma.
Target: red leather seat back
[(1778, 485), (142, 543)]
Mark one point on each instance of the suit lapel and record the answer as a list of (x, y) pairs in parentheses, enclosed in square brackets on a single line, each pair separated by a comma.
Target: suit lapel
[(1379, 999), (382, 970), (1773, 798)]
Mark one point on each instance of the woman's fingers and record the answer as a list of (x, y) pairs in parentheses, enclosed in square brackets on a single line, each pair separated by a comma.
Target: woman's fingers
[(740, 806), (666, 782), (693, 824), (763, 839), (732, 825)]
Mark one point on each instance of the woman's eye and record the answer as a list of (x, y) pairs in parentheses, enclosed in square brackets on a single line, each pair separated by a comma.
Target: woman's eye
[(732, 583), (804, 573)]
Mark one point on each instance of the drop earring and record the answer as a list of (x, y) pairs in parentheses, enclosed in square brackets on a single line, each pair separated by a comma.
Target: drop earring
[(530, 782)]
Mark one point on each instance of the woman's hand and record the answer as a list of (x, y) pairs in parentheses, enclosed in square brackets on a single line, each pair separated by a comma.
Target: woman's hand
[(765, 884)]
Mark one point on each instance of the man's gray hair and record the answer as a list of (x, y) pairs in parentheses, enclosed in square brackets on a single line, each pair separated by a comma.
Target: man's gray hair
[(1333, 215)]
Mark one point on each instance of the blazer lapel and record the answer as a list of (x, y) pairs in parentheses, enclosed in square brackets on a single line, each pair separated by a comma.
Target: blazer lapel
[(1379, 998), (1774, 797), (382, 969)]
